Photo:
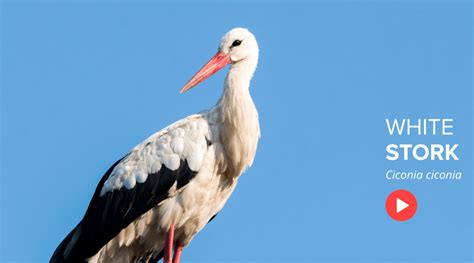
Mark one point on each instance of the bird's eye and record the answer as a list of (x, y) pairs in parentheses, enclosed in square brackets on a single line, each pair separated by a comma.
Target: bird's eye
[(236, 43)]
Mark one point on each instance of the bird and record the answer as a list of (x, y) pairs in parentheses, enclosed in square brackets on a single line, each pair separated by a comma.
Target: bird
[(150, 204)]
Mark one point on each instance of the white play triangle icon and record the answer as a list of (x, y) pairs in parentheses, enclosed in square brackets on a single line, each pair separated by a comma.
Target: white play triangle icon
[(401, 205)]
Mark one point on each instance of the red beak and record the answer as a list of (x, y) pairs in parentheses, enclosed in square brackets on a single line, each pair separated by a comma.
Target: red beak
[(217, 62)]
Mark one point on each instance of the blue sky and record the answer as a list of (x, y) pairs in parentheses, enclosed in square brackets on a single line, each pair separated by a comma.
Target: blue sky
[(82, 83)]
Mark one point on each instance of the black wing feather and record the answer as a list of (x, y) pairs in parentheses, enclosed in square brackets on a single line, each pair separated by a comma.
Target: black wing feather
[(108, 214)]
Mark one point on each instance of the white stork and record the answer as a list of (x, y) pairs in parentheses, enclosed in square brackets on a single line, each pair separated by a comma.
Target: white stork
[(166, 189)]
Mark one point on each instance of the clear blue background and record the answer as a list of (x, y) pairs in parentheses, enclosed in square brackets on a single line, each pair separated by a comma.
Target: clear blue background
[(82, 83)]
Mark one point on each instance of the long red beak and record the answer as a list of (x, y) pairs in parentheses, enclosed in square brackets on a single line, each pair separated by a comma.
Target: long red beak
[(217, 62)]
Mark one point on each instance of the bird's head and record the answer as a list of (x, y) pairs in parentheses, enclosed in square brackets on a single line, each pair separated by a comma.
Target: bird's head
[(239, 44), (236, 46)]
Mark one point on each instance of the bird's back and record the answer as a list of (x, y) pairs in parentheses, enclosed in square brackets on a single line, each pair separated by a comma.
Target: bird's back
[(173, 176)]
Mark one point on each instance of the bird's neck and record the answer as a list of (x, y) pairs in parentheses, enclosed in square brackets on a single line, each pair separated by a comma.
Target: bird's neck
[(239, 127)]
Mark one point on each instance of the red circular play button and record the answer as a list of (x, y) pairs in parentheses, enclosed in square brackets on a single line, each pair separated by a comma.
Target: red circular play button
[(401, 205)]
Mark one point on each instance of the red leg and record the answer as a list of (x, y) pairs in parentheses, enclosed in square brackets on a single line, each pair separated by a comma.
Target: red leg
[(177, 253), (169, 245)]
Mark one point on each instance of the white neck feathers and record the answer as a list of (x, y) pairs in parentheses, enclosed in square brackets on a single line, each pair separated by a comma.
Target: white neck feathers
[(239, 127)]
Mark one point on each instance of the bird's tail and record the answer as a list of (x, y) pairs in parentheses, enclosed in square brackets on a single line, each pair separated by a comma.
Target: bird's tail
[(63, 251)]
